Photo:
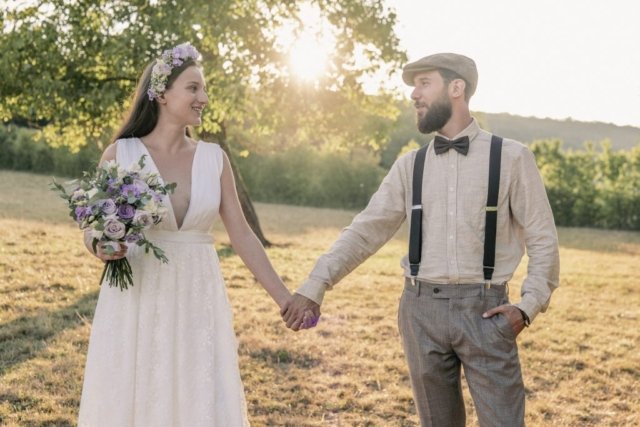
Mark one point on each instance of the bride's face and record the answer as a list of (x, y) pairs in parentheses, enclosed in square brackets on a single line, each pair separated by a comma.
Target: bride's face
[(185, 100)]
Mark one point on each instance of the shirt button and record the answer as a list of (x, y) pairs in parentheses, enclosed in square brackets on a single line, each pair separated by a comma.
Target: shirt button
[(436, 290)]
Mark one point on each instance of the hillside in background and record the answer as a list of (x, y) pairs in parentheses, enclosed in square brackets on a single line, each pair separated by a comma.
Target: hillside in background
[(573, 133)]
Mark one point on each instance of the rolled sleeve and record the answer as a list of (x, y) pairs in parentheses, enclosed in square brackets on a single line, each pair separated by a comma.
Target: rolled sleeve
[(369, 230), (532, 212)]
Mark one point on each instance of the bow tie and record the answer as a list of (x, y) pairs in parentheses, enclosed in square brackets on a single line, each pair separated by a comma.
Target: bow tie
[(442, 145)]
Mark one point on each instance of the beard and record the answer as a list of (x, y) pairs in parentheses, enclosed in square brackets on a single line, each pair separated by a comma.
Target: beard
[(436, 116)]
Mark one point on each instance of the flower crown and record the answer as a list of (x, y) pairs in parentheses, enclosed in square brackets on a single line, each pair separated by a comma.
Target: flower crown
[(170, 59)]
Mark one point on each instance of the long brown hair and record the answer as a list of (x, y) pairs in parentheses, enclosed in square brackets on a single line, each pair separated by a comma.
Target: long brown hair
[(143, 114)]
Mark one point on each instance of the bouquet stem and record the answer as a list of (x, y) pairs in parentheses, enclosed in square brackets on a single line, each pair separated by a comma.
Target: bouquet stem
[(118, 273)]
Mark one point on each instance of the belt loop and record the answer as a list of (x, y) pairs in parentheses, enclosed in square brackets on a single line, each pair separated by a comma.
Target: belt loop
[(418, 286)]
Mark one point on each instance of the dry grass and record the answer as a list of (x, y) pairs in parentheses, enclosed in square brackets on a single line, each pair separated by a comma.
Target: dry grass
[(580, 359)]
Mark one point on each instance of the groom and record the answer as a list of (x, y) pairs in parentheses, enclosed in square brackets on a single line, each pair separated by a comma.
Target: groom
[(468, 235)]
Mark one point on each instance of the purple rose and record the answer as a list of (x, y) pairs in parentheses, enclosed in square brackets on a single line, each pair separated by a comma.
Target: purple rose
[(112, 185), (107, 206), (114, 229), (133, 238), (129, 190), (83, 212), (126, 211)]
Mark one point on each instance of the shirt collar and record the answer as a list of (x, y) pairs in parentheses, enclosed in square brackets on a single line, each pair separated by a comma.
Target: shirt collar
[(471, 131)]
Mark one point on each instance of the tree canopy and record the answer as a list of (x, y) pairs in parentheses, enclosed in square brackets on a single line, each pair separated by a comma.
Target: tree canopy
[(71, 65)]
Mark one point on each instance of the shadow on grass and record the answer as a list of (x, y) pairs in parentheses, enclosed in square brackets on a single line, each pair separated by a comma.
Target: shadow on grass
[(23, 338)]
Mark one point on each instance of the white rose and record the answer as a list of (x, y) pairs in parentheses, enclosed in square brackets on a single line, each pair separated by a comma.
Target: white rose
[(143, 219), (135, 167), (151, 206), (78, 194)]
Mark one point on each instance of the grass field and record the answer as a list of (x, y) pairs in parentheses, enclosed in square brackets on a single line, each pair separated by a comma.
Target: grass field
[(580, 360)]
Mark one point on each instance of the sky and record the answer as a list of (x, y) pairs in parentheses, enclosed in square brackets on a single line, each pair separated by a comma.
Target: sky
[(542, 58)]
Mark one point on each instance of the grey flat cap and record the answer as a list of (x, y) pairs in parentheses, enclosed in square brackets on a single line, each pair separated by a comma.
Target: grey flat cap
[(460, 64)]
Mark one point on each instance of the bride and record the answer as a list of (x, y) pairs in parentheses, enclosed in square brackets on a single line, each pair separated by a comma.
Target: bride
[(164, 352)]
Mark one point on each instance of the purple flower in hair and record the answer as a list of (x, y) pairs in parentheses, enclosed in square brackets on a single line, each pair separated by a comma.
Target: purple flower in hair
[(169, 59)]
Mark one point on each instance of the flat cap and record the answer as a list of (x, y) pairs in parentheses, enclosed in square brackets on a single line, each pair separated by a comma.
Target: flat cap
[(460, 64)]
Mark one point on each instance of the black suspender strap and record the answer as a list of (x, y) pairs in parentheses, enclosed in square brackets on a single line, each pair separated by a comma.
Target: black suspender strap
[(415, 230), (491, 219)]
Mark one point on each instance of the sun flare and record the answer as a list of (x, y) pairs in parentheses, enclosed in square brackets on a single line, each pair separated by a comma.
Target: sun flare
[(308, 43), (307, 58)]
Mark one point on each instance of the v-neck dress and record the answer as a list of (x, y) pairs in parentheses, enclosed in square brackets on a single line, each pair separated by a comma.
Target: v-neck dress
[(164, 351)]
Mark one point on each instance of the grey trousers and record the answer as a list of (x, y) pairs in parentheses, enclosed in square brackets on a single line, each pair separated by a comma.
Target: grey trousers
[(442, 329)]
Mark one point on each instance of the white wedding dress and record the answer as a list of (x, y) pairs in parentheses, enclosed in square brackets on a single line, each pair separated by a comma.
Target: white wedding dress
[(164, 352)]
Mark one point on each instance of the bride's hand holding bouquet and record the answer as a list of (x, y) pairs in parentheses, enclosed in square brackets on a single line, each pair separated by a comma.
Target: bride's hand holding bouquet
[(114, 206)]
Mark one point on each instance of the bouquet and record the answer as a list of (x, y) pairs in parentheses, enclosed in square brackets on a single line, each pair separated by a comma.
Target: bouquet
[(117, 205)]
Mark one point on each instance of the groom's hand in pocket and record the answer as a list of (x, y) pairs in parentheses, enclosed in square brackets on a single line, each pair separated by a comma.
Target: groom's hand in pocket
[(293, 312)]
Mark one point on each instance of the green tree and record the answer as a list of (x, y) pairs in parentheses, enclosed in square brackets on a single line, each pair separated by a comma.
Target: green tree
[(68, 66)]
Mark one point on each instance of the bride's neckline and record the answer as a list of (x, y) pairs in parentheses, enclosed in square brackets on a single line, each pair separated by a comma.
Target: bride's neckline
[(178, 227)]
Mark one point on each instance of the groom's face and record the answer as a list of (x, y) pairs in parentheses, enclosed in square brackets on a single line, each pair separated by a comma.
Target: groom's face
[(431, 99)]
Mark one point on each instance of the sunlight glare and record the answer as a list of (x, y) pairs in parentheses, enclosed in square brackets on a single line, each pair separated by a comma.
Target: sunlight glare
[(308, 43), (308, 58)]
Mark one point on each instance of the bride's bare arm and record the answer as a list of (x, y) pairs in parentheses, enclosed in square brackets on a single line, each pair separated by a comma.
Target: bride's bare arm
[(245, 242)]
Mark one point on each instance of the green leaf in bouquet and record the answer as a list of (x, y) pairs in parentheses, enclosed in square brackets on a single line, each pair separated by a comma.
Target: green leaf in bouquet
[(98, 196), (169, 188), (141, 161), (94, 245), (108, 250)]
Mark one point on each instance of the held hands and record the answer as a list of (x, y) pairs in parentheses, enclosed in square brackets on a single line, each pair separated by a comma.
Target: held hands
[(300, 312), (513, 315)]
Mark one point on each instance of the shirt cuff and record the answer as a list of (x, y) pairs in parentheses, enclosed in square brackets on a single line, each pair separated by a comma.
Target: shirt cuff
[(313, 289), (530, 306)]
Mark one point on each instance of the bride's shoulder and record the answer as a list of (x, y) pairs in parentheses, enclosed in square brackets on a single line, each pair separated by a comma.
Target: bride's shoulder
[(109, 153), (213, 146), (216, 153)]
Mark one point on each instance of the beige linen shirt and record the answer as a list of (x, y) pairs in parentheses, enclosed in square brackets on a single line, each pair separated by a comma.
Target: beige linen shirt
[(454, 199)]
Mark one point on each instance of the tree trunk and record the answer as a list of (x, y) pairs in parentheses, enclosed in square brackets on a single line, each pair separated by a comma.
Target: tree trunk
[(247, 207)]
